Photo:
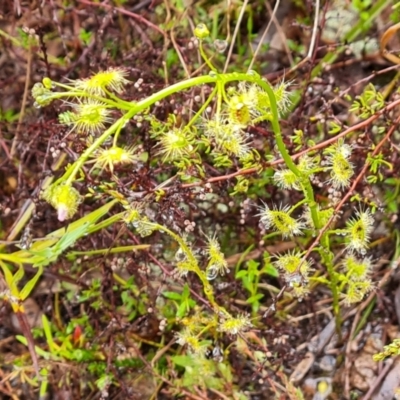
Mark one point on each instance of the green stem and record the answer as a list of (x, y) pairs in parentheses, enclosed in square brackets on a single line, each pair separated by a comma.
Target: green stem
[(327, 258), (120, 104), (297, 205), (309, 199), (116, 136), (305, 182), (71, 173), (208, 290), (205, 58), (221, 92), (202, 108)]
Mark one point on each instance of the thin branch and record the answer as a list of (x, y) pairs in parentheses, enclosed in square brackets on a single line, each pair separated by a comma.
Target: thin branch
[(228, 58), (261, 42), (314, 33), (125, 12)]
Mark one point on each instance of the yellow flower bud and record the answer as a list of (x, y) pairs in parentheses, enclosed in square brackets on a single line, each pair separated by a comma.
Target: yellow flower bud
[(201, 31), (47, 83)]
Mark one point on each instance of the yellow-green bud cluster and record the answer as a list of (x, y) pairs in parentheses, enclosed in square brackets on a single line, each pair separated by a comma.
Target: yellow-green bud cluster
[(296, 271), (201, 31), (64, 198), (249, 103), (234, 326), (341, 169), (358, 232), (140, 222), (217, 265), (43, 95)]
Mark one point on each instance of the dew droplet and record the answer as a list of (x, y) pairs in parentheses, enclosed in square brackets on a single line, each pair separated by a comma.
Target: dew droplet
[(293, 279), (211, 273), (36, 105), (220, 45), (180, 255)]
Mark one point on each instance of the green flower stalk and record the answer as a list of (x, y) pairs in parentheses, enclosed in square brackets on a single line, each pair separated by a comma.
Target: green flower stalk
[(324, 216), (185, 257)]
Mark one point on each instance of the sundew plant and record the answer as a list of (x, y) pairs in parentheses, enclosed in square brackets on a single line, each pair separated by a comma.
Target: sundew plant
[(213, 141)]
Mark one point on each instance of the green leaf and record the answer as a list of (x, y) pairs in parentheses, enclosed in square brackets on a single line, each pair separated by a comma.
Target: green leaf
[(334, 128), (182, 310), (191, 303), (53, 237), (241, 274), (30, 285), (10, 280), (44, 384), (49, 336), (45, 354), (226, 372), (18, 275), (254, 298), (271, 270), (49, 255), (185, 292), (182, 361), (172, 295), (252, 265)]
